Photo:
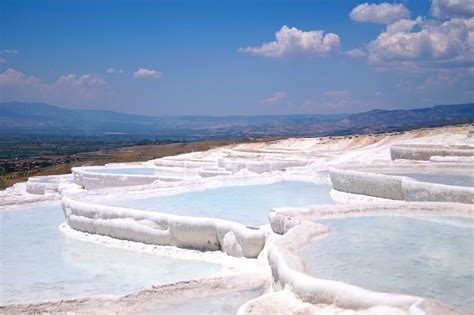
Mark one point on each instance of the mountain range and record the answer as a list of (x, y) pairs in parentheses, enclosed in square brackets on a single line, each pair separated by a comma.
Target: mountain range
[(41, 118)]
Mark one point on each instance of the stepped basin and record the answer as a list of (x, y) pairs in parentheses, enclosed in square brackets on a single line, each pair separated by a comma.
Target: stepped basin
[(248, 204), (40, 185), (440, 183), (96, 177), (431, 257), (123, 170), (38, 262), (160, 171), (439, 178)]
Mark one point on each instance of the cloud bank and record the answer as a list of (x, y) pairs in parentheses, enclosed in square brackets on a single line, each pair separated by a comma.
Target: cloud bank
[(276, 98), (114, 71), (435, 44), (5, 52), (383, 13), (146, 73), (294, 42), (70, 89), (356, 53), (452, 8)]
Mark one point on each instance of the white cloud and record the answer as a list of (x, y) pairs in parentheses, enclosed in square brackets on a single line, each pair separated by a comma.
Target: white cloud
[(66, 90), (15, 84), (356, 53), (86, 86), (294, 42), (5, 52), (9, 52), (403, 25), (146, 73), (434, 44), (452, 8), (276, 98), (11, 75), (383, 13), (114, 71)]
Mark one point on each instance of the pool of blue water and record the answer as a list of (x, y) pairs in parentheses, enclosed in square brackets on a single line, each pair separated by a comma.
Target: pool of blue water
[(38, 262), (123, 170), (44, 179), (432, 257), (436, 178), (245, 204)]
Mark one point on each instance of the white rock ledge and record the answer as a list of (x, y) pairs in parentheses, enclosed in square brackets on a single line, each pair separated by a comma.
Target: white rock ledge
[(87, 178), (256, 166), (425, 152), (397, 187), (42, 185), (164, 229)]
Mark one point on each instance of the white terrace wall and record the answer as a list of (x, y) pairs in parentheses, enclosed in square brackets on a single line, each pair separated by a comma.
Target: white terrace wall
[(164, 229), (90, 180), (425, 152), (41, 185), (369, 184), (397, 187), (40, 188), (175, 162), (262, 166)]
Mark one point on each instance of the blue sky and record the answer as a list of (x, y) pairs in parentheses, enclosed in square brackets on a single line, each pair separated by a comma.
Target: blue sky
[(237, 57)]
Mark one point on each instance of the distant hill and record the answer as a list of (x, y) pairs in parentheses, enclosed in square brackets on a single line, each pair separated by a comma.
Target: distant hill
[(376, 121), (43, 118), (38, 117)]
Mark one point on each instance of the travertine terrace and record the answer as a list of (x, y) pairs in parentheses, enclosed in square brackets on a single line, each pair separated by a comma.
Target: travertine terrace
[(370, 175)]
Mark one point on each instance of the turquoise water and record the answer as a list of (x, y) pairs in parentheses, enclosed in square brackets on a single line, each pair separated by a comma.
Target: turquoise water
[(427, 258), (43, 179), (445, 179), (123, 170), (245, 204), (38, 262)]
